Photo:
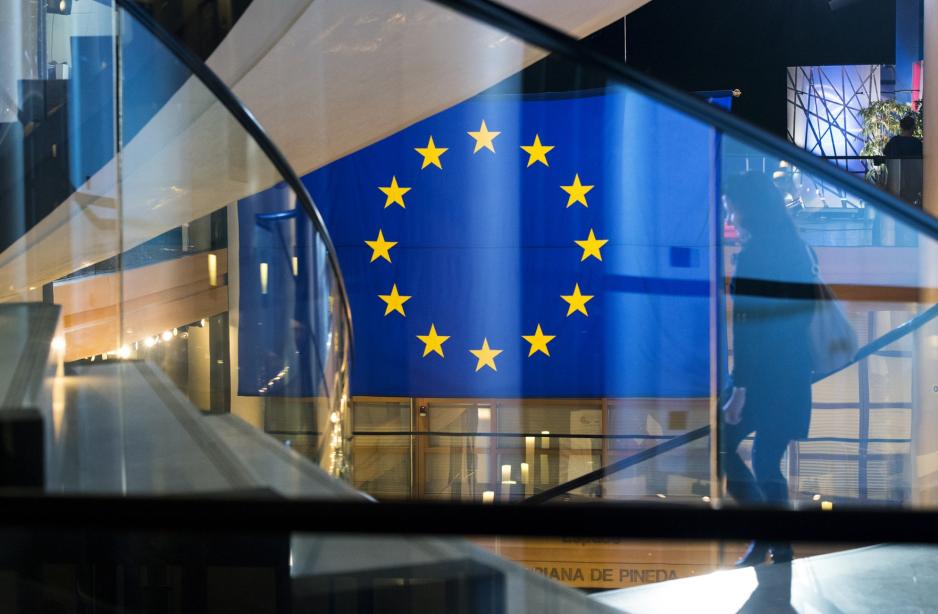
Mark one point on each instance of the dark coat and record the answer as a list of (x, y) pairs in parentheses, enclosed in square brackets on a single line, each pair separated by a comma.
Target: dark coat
[(773, 304)]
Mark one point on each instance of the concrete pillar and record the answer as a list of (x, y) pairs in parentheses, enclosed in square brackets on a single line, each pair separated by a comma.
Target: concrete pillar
[(925, 398)]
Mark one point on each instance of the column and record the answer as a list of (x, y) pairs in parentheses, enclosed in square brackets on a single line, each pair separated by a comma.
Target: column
[(925, 398)]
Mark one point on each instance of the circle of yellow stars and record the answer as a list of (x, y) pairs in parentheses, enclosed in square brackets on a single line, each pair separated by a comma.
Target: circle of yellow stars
[(432, 155)]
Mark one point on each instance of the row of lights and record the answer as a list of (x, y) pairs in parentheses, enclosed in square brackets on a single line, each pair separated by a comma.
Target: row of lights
[(127, 350), (270, 383)]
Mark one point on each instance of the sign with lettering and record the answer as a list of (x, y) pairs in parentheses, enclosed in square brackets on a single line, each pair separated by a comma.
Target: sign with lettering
[(612, 563), (606, 564), (606, 576)]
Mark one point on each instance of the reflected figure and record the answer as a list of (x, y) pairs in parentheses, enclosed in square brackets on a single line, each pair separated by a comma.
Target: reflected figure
[(771, 393)]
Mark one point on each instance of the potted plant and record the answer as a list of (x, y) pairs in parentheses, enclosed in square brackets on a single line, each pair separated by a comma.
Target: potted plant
[(881, 123)]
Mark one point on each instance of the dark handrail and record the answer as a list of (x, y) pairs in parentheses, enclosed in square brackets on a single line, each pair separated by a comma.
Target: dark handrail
[(550, 39), (619, 465), (867, 350), (271, 515), (253, 127)]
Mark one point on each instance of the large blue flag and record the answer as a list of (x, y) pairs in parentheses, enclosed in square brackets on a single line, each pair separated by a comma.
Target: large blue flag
[(535, 246)]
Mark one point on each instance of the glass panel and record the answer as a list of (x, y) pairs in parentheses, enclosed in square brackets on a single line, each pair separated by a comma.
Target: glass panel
[(59, 184), (539, 263), (222, 240), (681, 475), (133, 205), (382, 447), (807, 290)]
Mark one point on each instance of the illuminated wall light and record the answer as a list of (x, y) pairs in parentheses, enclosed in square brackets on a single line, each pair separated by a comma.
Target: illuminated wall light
[(296, 266), (58, 344), (488, 496), (827, 506), (202, 323), (58, 404), (124, 352), (816, 497), (166, 336), (149, 342), (213, 270), (263, 278), (175, 332)]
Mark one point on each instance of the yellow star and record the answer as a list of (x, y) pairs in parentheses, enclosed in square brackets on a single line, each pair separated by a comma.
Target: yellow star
[(395, 301), (537, 152), (381, 248), (577, 301), (486, 356), (431, 154), (395, 193), (538, 341), (577, 191), (432, 341), (484, 138), (591, 247)]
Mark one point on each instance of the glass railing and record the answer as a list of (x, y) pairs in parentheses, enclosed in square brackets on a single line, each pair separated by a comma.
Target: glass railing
[(548, 250), (576, 303), (556, 267), (182, 293)]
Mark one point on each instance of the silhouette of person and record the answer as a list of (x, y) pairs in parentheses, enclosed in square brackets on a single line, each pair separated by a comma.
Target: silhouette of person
[(771, 292), (905, 144)]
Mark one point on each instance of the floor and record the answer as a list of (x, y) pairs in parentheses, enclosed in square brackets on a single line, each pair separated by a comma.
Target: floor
[(884, 578)]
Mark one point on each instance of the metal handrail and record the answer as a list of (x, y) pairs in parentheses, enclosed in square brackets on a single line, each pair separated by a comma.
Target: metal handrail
[(681, 440), (252, 126)]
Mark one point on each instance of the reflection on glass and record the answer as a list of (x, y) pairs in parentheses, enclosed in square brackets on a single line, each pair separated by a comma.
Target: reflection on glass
[(851, 435), (129, 213)]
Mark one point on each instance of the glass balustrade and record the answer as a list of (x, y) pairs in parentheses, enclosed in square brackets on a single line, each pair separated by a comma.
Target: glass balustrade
[(569, 284), (554, 266), (182, 294)]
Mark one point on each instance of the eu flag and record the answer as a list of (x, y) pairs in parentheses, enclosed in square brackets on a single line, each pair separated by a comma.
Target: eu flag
[(518, 245)]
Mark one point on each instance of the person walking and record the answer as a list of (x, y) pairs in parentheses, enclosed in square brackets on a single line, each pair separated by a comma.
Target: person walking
[(772, 295)]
